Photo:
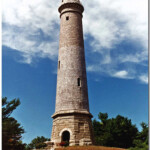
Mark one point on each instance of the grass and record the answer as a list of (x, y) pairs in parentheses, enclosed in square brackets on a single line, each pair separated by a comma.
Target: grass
[(89, 148)]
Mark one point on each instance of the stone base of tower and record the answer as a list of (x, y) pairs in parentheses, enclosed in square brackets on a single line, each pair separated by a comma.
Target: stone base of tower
[(73, 126)]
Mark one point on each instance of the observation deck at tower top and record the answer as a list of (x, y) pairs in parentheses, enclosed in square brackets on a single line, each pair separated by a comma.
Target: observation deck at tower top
[(66, 2)]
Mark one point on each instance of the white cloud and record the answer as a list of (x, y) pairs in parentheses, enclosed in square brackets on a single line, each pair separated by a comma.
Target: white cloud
[(28, 46), (138, 57), (112, 21), (29, 27), (32, 27), (121, 74), (92, 68), (144, 79)]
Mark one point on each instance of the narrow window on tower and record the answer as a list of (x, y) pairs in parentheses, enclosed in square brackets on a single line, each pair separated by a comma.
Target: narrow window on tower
[(62, 0), (67, 18), (79, 82), (58, 64)]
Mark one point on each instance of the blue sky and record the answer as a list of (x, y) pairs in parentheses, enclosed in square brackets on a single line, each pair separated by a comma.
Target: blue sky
[(116, 48)]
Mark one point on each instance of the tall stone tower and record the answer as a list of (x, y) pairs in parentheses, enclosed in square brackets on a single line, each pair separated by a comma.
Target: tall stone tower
[(72, 119)]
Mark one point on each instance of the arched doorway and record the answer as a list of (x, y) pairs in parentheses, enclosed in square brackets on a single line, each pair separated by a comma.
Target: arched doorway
[(66, 136)]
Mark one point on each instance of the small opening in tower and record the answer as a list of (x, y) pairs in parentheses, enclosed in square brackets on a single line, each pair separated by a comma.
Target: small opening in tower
[(58, 64), (79, 82), (62, 0), (67, 18)]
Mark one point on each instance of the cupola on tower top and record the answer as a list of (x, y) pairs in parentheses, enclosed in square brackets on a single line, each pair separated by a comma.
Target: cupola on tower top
[(73, 1)]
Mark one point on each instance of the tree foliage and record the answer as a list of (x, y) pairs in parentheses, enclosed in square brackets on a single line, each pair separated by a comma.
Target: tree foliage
[(38, 143), (11, 129), (115, 132), (141, 141)]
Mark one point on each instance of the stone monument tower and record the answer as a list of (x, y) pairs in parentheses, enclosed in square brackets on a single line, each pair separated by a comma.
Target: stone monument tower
[(72, 119)]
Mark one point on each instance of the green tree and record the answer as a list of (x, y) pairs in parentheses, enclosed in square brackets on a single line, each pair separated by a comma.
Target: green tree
[(11, 129), (38, 142), (141, 141), (116, 132), (143, 135), (103, 117)]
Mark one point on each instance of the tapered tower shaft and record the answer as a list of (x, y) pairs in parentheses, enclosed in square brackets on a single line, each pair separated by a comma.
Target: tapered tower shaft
[(71, 115), (71, 79)]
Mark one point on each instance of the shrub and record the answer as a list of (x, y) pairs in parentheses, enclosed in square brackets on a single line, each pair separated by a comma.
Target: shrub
[(40, 145), (64, 143)]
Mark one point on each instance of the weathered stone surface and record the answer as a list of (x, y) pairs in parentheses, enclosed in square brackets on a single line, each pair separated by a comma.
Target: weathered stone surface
[(71, 66), (72, 104), (78, 125)]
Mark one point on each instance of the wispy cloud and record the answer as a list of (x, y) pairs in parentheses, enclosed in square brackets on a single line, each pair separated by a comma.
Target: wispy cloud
[(144, 79), (32, 28), (122, 74), (113, 21), (119, 37)]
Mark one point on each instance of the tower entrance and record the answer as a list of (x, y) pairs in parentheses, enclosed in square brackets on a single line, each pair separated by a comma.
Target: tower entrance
[(66, 136)]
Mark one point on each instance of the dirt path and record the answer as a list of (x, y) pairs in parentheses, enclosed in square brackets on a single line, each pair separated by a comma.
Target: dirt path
[(90, 148)]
